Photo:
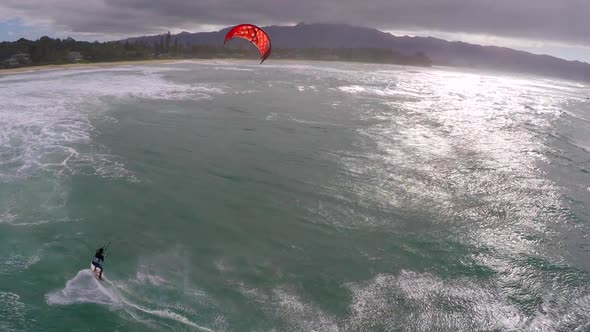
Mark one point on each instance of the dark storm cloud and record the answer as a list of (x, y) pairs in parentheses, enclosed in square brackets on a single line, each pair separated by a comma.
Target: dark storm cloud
[(566, 21)]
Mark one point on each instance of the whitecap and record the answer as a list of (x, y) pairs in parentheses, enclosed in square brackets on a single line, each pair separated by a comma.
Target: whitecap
[(85, 288)]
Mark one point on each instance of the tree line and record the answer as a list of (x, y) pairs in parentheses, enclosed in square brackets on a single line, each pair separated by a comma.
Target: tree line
[(46, 50)]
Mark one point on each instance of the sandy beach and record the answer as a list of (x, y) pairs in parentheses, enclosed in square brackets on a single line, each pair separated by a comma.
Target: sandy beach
[(83, 65)]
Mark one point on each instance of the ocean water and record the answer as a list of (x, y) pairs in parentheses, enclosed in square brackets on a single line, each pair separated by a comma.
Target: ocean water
[(294, 196)]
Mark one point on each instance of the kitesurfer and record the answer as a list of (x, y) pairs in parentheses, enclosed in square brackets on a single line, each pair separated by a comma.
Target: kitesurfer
[(98, 257)]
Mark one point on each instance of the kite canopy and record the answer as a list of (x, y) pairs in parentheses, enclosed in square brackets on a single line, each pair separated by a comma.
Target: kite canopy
[(253, 34)]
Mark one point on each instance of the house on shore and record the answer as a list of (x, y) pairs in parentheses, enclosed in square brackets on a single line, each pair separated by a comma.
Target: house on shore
[(10, 62), (74, 57), (19, 59)]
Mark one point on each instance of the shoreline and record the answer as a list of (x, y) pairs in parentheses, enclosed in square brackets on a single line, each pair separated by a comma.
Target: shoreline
[(43, 68)]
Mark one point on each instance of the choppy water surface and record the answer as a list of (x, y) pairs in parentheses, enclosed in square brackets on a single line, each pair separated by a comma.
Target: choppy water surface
[(294, 197)]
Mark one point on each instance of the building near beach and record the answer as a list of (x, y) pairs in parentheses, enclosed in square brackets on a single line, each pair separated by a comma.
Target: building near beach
[(75, 57)]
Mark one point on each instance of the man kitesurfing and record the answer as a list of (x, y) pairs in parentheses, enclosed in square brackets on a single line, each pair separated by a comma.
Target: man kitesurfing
[(98, 258)]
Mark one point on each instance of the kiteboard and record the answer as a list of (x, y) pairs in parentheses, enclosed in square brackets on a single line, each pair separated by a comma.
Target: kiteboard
[(95, 271)]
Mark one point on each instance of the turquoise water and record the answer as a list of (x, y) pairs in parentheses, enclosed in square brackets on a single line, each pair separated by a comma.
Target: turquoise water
[(293, 197)]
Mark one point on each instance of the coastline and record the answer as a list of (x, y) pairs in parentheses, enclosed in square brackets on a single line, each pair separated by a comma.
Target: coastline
[(34, 69)]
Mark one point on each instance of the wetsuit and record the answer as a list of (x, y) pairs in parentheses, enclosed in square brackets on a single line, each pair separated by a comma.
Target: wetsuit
[(98, 257)]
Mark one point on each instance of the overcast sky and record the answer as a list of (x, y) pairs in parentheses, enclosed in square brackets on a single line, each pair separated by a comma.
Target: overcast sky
[(557, 27)]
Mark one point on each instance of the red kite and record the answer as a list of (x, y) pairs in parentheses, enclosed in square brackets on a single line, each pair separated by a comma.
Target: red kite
[(254, 35)]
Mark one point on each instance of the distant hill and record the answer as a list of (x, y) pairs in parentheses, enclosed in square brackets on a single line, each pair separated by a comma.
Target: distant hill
[(440, 51)]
